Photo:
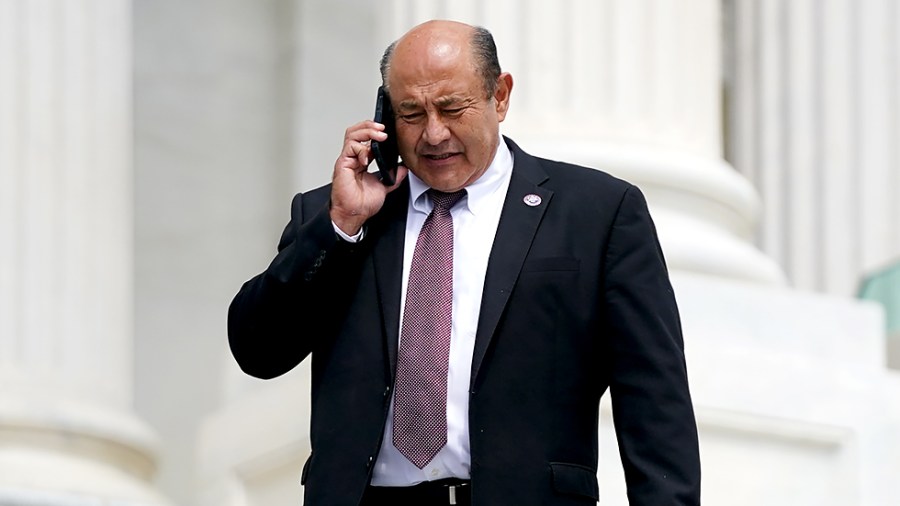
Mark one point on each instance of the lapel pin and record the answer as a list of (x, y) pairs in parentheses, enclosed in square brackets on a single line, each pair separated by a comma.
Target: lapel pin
[(532, 200)]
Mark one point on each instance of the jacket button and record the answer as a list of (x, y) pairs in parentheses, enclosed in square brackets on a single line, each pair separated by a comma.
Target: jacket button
[(370, 462)]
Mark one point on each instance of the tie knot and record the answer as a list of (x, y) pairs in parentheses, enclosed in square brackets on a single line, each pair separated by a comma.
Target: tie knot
[(445, 201)]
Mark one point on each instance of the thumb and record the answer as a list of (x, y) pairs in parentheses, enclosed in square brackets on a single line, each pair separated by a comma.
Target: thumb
[(402, 172)]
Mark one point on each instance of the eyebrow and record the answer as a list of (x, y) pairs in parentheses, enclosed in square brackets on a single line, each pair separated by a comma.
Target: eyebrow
[(407, 105), (444, 101), (447, 100)]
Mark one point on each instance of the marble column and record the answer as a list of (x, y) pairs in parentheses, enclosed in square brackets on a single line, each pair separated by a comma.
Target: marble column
[(631, 88), (67, 431), (250, 450), (815, 96)]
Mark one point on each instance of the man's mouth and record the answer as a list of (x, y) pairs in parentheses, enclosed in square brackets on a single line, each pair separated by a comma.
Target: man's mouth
[(443, 156)]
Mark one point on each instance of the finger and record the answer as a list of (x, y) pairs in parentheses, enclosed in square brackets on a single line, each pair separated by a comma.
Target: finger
[(365, 130), (356, 147), (363, 156), (366, 124), (353, 156), (359, 153)]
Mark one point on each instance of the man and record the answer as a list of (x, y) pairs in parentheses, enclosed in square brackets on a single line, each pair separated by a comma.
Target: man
[(464, 322)]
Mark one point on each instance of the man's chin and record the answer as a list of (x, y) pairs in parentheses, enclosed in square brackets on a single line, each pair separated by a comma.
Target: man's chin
[(445, 179), (445, 185)]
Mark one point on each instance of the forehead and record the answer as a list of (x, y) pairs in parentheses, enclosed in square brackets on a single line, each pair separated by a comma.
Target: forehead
[(429, 86), (441, 93), (436, 66)]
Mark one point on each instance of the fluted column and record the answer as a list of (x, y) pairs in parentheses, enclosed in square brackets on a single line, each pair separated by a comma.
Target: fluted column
[(67, 431), (816, 101), (631, 88)]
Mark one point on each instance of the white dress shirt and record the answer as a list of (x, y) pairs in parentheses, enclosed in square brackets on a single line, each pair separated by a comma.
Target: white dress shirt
[(475, 220)]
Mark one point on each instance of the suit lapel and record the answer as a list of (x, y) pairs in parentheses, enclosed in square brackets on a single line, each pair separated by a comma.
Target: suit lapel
[(387, 256), (515, 232)]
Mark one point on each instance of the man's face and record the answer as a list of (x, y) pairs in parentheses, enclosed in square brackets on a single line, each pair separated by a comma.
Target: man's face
[(447, 128)]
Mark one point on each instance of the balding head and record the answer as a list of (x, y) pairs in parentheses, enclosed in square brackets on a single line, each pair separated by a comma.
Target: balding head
[(442, 38)]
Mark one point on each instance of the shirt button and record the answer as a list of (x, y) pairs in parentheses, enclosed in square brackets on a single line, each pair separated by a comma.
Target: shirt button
[(435, 472)]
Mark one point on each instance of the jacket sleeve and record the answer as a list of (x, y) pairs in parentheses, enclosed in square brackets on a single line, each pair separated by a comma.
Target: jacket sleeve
[(278, 317), (652, 410)]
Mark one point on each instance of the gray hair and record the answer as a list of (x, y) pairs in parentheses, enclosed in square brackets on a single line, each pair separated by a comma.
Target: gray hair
[(484, 52)]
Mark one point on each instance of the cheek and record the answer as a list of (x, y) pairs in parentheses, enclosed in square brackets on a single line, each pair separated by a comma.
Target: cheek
[(476, 142), (407, 137), (475, 131)]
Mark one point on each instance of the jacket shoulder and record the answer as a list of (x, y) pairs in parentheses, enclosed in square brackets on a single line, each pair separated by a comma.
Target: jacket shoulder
[(308, 202), (579, 176), (568, 178)]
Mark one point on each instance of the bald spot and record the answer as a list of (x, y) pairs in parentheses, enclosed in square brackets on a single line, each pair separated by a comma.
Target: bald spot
[(434, 49)]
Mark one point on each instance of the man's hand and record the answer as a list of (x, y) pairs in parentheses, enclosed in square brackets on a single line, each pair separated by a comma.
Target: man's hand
[(356, 194)]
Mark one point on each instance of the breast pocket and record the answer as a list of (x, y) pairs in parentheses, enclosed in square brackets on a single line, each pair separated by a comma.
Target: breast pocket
[(542, 294), (545, 281), (551, 264)]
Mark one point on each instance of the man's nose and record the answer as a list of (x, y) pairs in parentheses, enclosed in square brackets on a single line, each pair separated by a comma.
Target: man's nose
[(436, 130)]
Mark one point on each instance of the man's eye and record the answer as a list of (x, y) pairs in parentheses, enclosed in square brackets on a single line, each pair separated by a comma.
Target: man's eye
[(411, 117), (453, 112)]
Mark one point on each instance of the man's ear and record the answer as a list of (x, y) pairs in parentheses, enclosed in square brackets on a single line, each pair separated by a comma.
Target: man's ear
[(501, 96)]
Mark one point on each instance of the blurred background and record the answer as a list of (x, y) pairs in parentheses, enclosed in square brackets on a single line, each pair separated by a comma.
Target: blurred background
[(149, 150)]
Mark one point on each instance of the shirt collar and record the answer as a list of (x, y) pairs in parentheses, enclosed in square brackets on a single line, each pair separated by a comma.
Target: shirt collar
[(479, 193)]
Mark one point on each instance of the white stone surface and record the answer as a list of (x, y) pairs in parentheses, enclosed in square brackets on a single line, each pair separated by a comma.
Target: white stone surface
[(67, 430), (794, 403), (814, 120), (213, 188), (255, 447)]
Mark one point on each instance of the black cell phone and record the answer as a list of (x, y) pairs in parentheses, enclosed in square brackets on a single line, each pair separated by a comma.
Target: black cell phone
[(387, 153)]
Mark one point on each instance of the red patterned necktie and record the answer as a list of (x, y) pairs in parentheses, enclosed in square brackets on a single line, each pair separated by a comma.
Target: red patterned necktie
[(420, 394)]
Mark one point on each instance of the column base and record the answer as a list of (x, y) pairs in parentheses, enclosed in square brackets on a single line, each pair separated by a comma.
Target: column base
[(705, 212), (56, 451)]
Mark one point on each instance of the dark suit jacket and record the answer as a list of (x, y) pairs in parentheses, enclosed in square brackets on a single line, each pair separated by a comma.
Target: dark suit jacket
[(576, 300)]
